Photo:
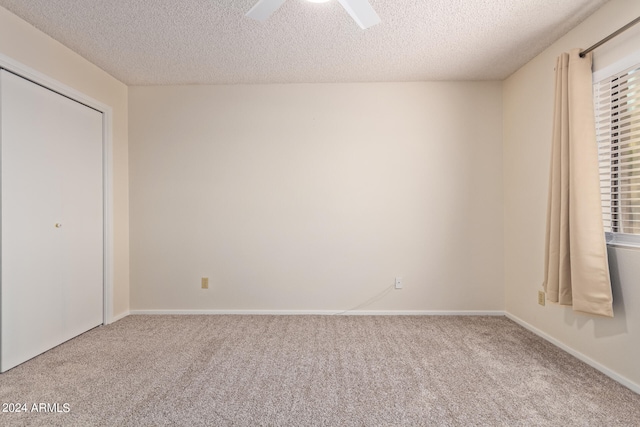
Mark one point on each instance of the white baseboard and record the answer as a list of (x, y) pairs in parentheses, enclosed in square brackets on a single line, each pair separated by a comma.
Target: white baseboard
[(119, 316), (608, 372), (331, 312)]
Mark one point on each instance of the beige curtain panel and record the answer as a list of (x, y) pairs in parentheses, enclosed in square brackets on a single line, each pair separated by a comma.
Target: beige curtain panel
[(576, 264)]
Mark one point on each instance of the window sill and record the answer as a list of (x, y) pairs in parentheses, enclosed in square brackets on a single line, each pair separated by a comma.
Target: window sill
[(626, 241)]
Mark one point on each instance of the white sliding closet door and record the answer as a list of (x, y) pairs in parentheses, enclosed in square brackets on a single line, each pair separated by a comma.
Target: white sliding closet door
[(52, 219)]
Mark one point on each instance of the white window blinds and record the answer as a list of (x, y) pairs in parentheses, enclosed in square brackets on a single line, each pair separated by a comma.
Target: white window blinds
[(617, 111)]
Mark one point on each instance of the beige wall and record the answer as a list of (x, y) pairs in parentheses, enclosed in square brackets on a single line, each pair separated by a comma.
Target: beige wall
[(314, 197), (24, 43), (528, 99)]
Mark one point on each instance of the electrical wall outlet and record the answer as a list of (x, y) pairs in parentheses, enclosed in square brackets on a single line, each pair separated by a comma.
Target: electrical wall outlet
[(205, 283), (399, 282), (541, 297)]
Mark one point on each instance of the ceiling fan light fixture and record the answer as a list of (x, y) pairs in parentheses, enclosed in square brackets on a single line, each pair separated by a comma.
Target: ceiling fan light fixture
[(360, 10)]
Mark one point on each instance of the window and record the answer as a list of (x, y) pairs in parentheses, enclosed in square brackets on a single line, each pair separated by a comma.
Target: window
[(617, 114)]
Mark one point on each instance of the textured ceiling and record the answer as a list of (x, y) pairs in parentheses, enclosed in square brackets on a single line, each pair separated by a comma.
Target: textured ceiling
[(159, 42)]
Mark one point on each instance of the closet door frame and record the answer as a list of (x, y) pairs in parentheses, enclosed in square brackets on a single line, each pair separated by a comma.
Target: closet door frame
[(107, 162)]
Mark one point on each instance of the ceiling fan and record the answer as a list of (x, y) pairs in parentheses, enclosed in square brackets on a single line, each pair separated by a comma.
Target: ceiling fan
[(360, 10)]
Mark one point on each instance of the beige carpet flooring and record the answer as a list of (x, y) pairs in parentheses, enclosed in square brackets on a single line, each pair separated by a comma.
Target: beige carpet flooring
[(314, 371)]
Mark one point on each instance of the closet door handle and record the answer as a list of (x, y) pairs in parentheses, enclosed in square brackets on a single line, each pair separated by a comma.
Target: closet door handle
[(58, 225)]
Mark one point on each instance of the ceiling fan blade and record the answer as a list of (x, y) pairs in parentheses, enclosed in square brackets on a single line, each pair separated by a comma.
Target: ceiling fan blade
[(263, 9), (361, 12)]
